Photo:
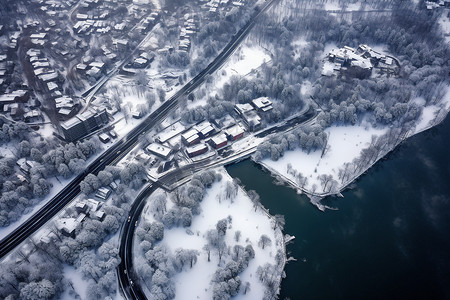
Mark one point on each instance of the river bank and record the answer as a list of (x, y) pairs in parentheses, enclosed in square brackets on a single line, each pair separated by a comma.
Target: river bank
[(350, 152), (382, 242)]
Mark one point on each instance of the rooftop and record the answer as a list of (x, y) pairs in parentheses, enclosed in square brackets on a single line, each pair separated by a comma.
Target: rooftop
[(70, 123), (159, 149), (219, 139)]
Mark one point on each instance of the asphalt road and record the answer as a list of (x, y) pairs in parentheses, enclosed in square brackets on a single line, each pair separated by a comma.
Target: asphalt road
[(127, 278), (125, 272), (121, 147)]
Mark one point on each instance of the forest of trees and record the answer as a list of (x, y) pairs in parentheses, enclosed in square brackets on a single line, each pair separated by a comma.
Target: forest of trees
[(411, 34), (307, 138), (160, 263), (382, 101), (50, 159)]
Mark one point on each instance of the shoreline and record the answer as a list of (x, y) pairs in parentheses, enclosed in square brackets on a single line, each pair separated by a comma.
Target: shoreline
[(315, 198), (282, 239)]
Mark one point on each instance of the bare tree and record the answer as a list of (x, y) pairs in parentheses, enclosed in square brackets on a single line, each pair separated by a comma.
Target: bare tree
[(264, 241)]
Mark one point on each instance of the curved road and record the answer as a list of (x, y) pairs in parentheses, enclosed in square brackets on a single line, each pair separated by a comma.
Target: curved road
[(128, 279), (121, 147)]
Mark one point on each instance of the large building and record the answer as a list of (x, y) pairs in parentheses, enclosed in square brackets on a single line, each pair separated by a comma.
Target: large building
[(73, 129), (196, 150), (249, 115), (262, 104), (219, 141), (190, 137), (355, 63), (235, 132), (83, 124)]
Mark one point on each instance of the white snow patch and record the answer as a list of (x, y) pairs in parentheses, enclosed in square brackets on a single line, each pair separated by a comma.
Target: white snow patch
[(299, 44), (345, 142), (306, 88), (425, 120), (444, 21), (334, 5), (195, 283), (243, 61), (76, 279), (432, 113), (328, 68), (328, 47)]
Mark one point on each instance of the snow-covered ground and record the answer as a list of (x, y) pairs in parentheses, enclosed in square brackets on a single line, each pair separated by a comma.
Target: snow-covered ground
[(444, 21), (75, 280), (247, 58), (430, 113), (327, 68), (335, 5), (299, 44), (195, 283), (345, 143), (242, 62), (306, 89)]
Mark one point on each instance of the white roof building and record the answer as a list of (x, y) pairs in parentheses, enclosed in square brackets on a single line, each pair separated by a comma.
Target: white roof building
[(243, 108), (262, 104), (52, 86), (159, 150)]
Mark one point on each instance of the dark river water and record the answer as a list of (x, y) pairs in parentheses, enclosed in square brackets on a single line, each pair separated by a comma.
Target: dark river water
[(390, 238)]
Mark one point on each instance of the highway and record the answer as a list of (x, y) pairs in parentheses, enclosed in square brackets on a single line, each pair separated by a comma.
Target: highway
[(121, 147), (128, 280)]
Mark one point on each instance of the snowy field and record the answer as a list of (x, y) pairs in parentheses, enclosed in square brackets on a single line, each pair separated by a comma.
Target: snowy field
[(345, 143), (195, 283), (243, 61), (430, 112), (246, 59)]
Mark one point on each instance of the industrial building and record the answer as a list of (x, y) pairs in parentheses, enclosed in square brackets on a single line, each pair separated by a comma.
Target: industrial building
[(190, 137)]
